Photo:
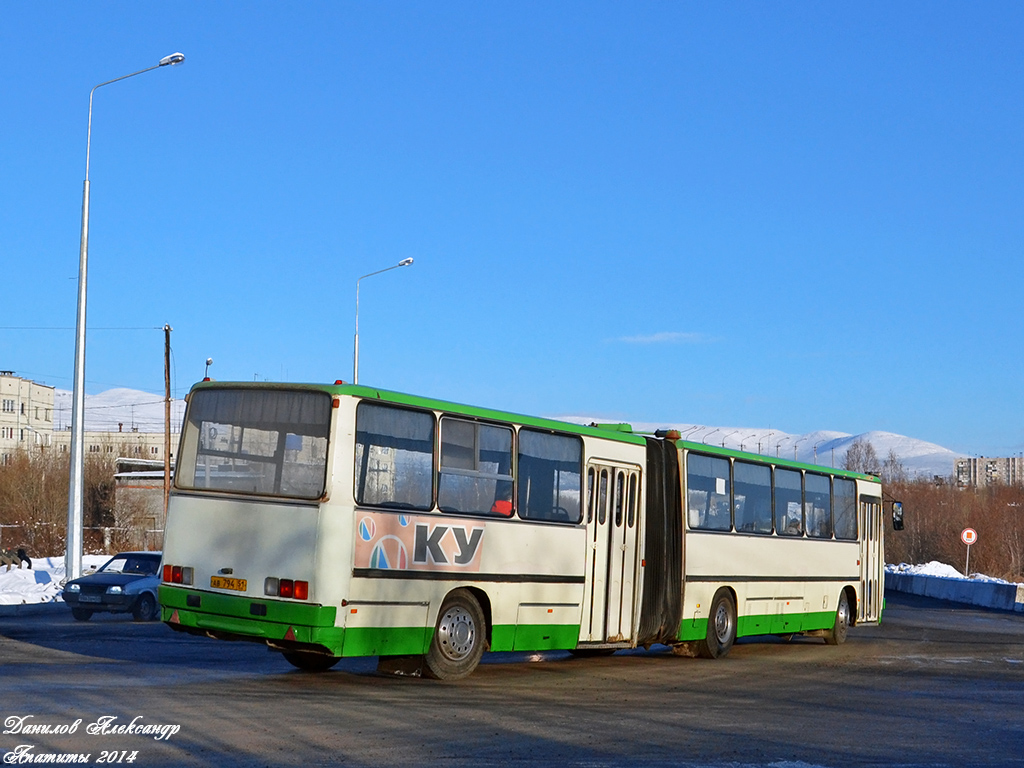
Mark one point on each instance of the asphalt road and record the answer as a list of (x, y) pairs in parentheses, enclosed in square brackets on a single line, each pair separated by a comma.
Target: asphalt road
[(934, 685)]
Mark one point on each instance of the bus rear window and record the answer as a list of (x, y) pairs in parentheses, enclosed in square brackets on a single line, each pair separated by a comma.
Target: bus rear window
[(265, 442)]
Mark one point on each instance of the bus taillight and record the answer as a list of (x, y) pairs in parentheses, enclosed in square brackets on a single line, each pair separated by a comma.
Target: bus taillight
[(275, 587), (177, 574)]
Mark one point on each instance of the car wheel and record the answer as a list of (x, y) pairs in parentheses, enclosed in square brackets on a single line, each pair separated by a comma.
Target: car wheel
[(145, 608), (81, 614), (311, 662)]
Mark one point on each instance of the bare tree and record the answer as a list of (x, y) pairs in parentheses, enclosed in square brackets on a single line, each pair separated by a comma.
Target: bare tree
[(893, 470), (861, 457)]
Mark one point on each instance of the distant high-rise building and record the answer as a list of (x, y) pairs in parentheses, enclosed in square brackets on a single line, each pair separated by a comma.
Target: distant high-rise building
[(980, 472)]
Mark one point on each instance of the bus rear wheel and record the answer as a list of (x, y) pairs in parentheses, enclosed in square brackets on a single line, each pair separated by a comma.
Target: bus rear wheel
[(837, 635), (721, 632), (310, 662), (459, 638)]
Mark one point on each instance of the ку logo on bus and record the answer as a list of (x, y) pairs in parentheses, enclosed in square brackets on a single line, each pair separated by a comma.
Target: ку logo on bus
[(404, 542), (430, 547)]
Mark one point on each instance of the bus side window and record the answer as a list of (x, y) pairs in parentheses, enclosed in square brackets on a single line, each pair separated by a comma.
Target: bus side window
[(752, 491), (788, 503), (845, 501), (818, 506), (476, 468), (707, 492), (394, 457), (550, 475)]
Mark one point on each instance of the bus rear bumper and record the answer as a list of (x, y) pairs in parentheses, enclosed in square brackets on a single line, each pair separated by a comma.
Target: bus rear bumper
[(282, 624)]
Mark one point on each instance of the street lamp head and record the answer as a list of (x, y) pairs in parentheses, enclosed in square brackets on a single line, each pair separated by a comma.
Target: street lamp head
[(174, 58), (405, 262)]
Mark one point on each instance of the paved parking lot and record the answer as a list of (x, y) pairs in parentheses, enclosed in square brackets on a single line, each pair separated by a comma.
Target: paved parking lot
[(936, 685)]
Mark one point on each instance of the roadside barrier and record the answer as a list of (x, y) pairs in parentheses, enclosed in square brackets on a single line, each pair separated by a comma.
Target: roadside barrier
[(987, 594)]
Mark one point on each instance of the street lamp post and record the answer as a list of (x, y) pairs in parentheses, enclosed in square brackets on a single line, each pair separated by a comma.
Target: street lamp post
[(686, 434), (76, 482), (795, 445), (355, 365), (816, 449)]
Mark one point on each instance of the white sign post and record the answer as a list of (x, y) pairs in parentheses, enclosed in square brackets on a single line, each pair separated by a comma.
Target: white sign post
[(968, 536)]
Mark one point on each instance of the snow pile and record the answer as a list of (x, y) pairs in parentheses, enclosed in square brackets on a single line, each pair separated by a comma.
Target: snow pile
[(43, 582), (943, 571)]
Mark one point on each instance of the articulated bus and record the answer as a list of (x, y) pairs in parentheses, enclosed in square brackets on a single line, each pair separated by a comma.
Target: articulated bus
[(339, 520)]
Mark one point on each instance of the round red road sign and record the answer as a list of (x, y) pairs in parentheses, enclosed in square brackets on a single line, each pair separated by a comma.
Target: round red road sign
[(969, 536)]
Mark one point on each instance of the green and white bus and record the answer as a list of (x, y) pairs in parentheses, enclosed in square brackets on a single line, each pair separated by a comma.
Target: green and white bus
[(332, 521)]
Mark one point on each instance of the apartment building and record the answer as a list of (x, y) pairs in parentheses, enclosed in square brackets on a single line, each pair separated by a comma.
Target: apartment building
[(27, 424), (26, 415), (980, 472)]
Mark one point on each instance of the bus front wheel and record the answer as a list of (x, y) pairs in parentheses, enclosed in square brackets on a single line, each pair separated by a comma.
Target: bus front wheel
[(459, 638), (721, 632), (837, 634)]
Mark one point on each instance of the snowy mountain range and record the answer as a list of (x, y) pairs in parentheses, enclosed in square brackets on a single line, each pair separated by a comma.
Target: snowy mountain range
[(124, 409), (823, 447), (144, 411)]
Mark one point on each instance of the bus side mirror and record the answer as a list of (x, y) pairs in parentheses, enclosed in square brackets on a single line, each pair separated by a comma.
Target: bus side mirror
[(897, 516)]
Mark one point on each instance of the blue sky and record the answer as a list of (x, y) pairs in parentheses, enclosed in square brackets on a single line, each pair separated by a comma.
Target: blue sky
[(804, 216)]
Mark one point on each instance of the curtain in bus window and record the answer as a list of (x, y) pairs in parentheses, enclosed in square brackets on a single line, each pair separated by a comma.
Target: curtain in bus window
[(789, 520), (752, 494), (476, 468), (550, 469), (845, 510), (707, 492), (306, 413), (818, 506), (261, 441), (394, 457)]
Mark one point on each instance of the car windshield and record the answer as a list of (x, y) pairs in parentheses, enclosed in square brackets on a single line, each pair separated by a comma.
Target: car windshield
[(144, 565)]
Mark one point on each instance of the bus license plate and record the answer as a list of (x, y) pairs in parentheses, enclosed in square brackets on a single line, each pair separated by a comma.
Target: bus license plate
[(219, 582)]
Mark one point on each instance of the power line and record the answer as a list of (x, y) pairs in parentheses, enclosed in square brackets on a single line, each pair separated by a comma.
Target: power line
[(71, 328)]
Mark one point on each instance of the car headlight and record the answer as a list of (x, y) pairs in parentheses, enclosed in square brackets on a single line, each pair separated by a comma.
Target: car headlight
[(74, 588), (114, 590)]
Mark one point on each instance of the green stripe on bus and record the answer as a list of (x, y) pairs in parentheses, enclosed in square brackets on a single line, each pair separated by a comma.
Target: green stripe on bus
[(764, 624), (385, 641), (550, 637)]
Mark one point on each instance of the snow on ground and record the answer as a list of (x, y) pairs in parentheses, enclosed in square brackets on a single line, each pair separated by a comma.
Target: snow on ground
[(935, 568), (43, 582)]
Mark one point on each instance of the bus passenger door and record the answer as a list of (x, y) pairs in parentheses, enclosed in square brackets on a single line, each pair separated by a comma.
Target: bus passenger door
[(612, 524), (871, 575), (599, 479)]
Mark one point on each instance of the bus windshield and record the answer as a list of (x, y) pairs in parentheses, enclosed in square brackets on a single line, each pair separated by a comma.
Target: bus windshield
[(270, 442)]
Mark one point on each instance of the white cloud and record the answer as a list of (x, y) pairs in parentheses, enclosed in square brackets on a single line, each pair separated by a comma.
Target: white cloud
[(665, 337)]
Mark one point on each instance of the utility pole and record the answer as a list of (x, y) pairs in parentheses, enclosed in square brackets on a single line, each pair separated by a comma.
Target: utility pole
[(167, 420)]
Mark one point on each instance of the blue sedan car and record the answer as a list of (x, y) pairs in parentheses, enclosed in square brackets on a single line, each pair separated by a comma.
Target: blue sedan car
[(127, 582)]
